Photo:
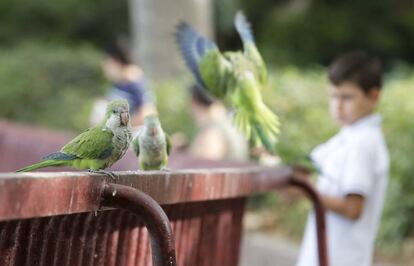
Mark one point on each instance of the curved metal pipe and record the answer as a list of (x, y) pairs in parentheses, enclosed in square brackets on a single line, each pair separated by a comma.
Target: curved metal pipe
[(154, 217), (319, 215)]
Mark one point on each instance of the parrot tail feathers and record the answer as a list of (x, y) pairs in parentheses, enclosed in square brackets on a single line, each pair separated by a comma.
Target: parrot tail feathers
[(260, 129), (241, 121), (268, 141), (39, 165), (267, 127)]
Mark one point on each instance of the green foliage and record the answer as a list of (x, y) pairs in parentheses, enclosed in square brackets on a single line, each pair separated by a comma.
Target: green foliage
[(49, 84), (398, 111), (325, 29), (68, 20), (304, 31)]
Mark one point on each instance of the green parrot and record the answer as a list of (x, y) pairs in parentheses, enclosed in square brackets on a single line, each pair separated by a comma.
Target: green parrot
[(234, 77), (152, 145), (96, 148)]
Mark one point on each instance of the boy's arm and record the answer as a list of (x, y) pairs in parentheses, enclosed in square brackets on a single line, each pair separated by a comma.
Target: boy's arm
[(350, 206)]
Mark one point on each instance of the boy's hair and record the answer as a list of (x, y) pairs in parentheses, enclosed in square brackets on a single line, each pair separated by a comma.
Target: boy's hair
[(357, 67), (115, 50)]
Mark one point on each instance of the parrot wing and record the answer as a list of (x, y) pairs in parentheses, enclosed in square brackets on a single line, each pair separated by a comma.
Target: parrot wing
[(203, 58), (135, 145), (94, 143), (251, 53)]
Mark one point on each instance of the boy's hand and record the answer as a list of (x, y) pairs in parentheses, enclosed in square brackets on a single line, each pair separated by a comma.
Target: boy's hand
[(292, 193)]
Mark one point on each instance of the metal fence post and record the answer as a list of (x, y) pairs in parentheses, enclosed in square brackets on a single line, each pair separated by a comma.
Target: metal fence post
[(319, 216), (154, 217)]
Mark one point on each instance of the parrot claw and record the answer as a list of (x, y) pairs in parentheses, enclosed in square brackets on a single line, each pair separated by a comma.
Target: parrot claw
[(112, 175)]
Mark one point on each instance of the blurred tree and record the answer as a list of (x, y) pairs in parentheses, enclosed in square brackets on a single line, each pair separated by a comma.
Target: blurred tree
[(152, 28), (287, 31), (65, 20)]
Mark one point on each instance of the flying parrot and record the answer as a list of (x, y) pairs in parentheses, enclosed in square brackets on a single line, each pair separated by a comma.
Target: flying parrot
[(152, 145), (96, 148), (234, 77)]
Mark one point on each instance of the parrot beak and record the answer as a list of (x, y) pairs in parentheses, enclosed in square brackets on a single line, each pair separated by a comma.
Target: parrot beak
[(154, 131), (124, 118)]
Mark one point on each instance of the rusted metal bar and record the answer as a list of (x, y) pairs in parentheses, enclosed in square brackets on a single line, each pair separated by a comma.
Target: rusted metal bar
[(319, 216), (34, 195), (155, 219), (39, 194)]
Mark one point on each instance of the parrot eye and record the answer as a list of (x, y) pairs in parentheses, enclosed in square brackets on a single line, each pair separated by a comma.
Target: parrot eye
[(114, 111)]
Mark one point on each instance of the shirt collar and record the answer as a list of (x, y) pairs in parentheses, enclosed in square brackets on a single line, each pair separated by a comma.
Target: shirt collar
[(372, 120)]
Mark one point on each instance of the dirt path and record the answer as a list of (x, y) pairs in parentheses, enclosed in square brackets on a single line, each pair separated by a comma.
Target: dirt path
[(260, 249)]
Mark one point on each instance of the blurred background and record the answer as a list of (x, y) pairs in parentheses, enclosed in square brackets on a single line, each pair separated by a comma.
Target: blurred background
[(50, 74)]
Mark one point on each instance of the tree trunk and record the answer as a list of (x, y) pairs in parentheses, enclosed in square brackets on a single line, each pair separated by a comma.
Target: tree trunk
[(153, 25)]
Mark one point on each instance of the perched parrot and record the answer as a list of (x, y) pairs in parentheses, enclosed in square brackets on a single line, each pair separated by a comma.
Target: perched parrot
[(234, 77), (152, 145), (96, 148)]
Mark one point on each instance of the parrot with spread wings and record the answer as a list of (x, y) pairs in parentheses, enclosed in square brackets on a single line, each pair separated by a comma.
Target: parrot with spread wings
[(237, 78)]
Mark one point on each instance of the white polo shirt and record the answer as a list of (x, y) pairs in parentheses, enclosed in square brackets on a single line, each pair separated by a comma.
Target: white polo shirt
[(353, 161)]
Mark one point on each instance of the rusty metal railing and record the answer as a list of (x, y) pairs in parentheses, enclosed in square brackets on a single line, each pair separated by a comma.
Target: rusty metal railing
[(204, 206)]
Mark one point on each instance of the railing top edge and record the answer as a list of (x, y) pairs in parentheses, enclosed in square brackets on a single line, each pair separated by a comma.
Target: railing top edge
[(38, 194), (178, 172)]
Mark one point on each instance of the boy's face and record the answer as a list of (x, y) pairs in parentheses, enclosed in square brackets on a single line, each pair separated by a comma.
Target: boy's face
[(349, 103)]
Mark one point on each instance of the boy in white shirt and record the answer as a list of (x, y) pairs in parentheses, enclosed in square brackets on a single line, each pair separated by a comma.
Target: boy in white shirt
[(353, 166)]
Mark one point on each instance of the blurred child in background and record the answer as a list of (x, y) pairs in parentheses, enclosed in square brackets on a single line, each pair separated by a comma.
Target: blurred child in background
[(217, 138), (127, 82)]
